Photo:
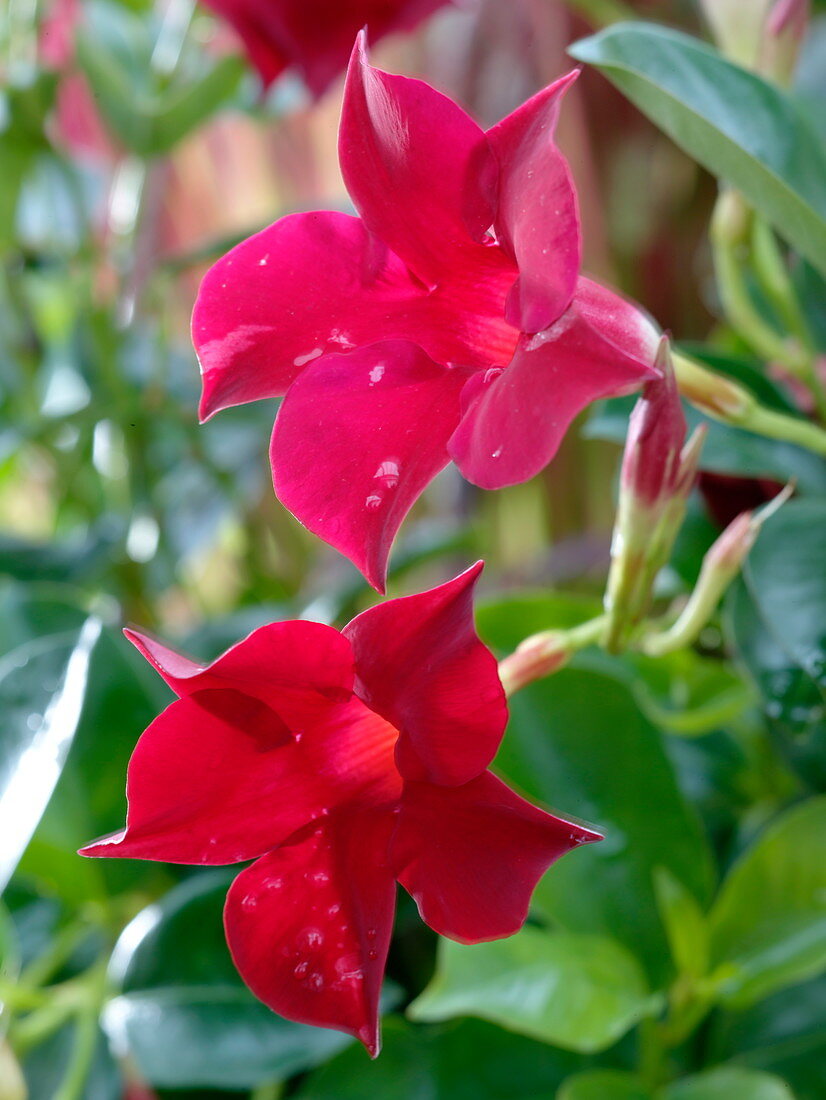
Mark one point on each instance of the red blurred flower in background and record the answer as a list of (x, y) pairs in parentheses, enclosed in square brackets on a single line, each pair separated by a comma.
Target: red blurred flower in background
[(341, 762), (315, 36), (448, 321)]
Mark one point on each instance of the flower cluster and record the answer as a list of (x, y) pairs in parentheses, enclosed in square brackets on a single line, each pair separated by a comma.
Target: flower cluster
[(340, 763), (448, 321)]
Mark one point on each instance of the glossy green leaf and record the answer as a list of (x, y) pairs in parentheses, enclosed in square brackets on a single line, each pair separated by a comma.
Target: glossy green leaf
[(743, 129), (688, 694), (768, 924), (213, 1036), (578, 992), (792, 701), (685, 924), (43, 682), (184, 1014), (786, 577), (576, 742), (603, 1084), (462, 1060), (728, 1083)]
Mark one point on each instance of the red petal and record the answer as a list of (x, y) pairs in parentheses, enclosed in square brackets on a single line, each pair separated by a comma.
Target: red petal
[(357, 439), (514, 421), (309, 925), (316, 37), (309, 284), (419, 170), (471, 856), (219, 777), (420, 664), (275, 664), (537, 220)]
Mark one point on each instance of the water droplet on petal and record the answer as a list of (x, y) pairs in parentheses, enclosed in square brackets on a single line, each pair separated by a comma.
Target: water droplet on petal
[(316, 982), (311, 937), (301, 969), (331, 912), (249, 903), (372, 954)]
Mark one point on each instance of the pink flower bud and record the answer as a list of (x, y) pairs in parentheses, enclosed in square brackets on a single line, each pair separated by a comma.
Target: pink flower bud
[(783, 35), (658, 465)]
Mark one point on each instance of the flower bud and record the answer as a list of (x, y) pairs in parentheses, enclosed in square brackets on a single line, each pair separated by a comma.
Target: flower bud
[(535, 657), (721, 565), (783, 36), (658, 472), (763, 35)]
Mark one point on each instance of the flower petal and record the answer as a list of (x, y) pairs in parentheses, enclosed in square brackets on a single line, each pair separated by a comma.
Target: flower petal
[(421, 665), (219, 777), (309, 284), (309, 925), (418, 169), (273, 664), (514, 421), (537, 219), (471, 856), (357, 439)]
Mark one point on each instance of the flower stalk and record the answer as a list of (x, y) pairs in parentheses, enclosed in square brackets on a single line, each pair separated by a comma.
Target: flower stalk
[(725, 400), (721, 565), (659, 469)]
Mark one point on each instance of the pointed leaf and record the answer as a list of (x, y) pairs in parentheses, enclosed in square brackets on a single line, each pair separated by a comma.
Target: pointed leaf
[(743, 129)]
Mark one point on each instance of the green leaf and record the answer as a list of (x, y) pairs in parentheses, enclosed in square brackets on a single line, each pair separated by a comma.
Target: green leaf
[(182, 110), (743, 129), (603, 1084), (184, 1014), (43, 682), (213, 1036), (46, 1066), (576, 741), (728, 1083), (783, 1034), (786, 578), (778, 621), (768, 924), (792, 701), (688, 694), (576, 991), (685, 924), (463, 1060)]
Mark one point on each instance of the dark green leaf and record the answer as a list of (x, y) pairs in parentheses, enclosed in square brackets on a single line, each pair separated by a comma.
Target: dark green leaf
[(578, 992), (783, 1034), (576, 741), (185, 1015), (743, 129), (603, 1084), (466, 1060)]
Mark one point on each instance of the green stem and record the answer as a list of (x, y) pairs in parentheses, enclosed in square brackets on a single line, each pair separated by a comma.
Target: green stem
[(727, 401), (73, 1085)]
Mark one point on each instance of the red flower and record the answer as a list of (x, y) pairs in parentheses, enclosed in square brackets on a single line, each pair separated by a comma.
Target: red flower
[(415, 334), (315, 37), (341, 762)]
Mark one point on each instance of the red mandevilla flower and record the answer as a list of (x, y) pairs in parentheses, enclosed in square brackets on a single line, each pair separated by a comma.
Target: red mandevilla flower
[(448, 321), (315, 36), (341, 762)]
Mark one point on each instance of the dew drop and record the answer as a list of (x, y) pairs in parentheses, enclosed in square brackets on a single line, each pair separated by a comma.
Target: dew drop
[(316, 982), (373, 501), (371, 933), (496, 453), (274, 883), (249, 903), (372, 954), (311, 937), (301, 969), (331, 912), (319, 877)]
